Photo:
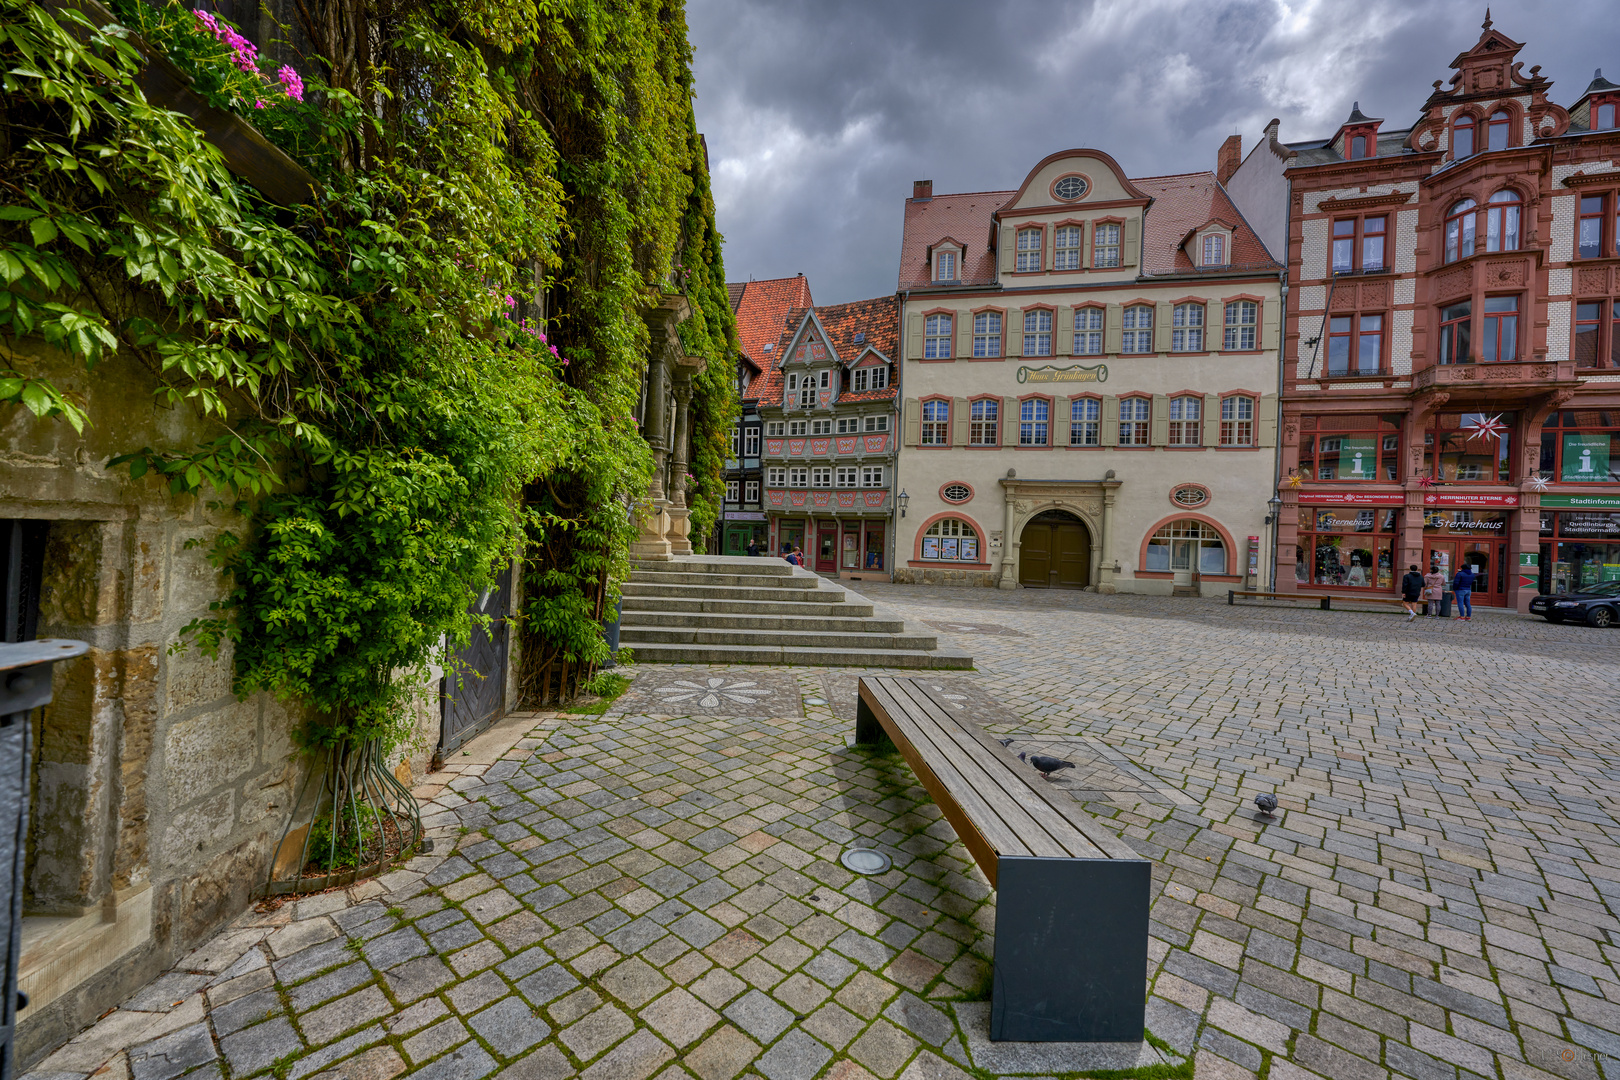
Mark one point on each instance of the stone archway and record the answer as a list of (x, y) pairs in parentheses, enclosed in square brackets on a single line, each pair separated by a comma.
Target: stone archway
[(1054, 552)]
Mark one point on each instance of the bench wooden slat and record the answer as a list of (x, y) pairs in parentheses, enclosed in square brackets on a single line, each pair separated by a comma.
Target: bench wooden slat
[(1008, 787)]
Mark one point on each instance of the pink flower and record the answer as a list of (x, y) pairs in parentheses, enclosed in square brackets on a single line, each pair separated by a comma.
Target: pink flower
[(291, 80), (208, 21), (511, 302), (259, 104)]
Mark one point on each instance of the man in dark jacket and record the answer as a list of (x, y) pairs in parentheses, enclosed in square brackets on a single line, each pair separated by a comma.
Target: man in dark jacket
[(1411, 591), (1463, 586)]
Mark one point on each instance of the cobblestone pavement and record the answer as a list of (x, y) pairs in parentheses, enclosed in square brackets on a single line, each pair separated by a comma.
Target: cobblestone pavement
[(655, 893)]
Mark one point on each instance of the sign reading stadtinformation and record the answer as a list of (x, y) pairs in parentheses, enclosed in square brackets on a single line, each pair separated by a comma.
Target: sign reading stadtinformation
[(1592, 502), (1075, 373)]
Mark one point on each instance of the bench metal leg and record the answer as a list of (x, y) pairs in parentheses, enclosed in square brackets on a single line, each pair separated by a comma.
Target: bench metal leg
[(867, 728), (1230, 597), (1071, 950), (1327, 603)]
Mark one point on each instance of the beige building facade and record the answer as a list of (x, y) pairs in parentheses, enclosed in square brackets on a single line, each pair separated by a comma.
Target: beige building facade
[(1089, 384)]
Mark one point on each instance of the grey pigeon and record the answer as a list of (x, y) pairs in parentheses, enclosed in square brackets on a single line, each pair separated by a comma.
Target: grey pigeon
[(1267, 803), (1046, 766)]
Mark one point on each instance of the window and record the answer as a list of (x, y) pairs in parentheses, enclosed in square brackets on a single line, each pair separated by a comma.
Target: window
[(798, 477), (956, 493), (1134, 414), (872, 476), (1066, 248), (1184, 545), (1344, 245), (826, 379), (880, 378), (1496, 137), (936, 423), (1368, 255), (1500, 343), (1033, 422), (1105, 246), (1069, 188), (858, 379), (1088, 331), (945, 266), (937, 338), (1592, 224), (1581, 446), (1350, 447), (776, 476), (775, 428), (849, 425), (869, 378), (1029, 250), (796, 427), (1346, 548), (1372, 242), (1591, 347), (1358, 147), (877, 423), (821, 477), (1138, 333), (847, 476), (751, 491), (1187, 328), (736, 440), (821, 427), (987, 333), (1214, 251), (1460, 230), (1185, 427), (1455, 333), (1237, 421), (1085, 416), (1355, 345), (1465, 454), (807, 391), (984, 426), (1502, 221), (1038, 332), (751, 441), (1462, 136), (1603, 116), (733, 491), (1241, 318), (950, 540)]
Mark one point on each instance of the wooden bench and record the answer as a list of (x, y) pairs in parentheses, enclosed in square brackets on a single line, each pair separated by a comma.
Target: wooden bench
[(1322, 600), (1071, 897)]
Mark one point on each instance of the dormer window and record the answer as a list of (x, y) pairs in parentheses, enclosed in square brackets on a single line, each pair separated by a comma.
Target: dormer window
[(1214, 252), (771, 347), (1358, 147), (860, 337), (1462, 137), (945, 266), (1603, 115), (1497, 130)]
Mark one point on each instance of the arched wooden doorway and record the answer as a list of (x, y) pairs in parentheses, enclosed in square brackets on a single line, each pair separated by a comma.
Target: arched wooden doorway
[(1054, 552)]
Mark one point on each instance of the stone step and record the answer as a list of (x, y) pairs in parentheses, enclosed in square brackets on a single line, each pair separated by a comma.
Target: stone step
[(749, 618), (718, 564), (936, 659), (854, 609), (710, 578), (729, 592), (787, 639)]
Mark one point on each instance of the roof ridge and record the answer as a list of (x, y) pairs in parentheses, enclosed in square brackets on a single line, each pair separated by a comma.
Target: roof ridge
[(1171, 176)]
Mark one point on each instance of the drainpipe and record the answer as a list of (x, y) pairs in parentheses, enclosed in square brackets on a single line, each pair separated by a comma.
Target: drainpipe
[(899, 433), (1276, 469)]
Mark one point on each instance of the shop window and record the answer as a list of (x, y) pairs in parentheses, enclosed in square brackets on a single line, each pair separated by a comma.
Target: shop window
[(1237, 421), (1105, 246), (1138, 333), (1085, 422), (1038, 332), (987, 334), (1581, 446), (950, 540), (1088, 331), (1186, 545), (1033, 422), (1499, 130), (1187, 328), (1455, 327), (937, 338), (1502, 221), (874, 546), (1500, 341), (1066, 248), (1460, 226), (1597, 334), (1242, 316), (1135, 414), (1352, 448), (1029, 250), (1344, 547), (1456, 442), (984, 427), (1579, 551), (1186, 429), (936, 423)]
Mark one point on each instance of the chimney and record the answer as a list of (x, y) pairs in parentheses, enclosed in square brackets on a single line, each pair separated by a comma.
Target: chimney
[(1229, 158), (922, 189)]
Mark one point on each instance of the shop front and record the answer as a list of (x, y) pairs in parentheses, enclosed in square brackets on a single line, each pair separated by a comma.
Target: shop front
[(741, 528), (1348, 540), (1579, 547), (1453, 537), (846, 547)]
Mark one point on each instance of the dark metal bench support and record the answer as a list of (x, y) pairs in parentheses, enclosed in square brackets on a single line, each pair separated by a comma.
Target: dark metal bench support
[(1071, 950), (868, 729)]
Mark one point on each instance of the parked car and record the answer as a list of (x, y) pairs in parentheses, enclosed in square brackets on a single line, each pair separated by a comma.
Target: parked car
[(1598, 605)]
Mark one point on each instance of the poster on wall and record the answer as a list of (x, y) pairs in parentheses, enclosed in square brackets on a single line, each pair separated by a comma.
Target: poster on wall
[(1358, 459), (930, 547), (970, 549), (1586, 457), (947, 548)]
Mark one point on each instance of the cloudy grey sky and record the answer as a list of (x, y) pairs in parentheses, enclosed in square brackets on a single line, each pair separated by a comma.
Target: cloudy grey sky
[(820, 113)]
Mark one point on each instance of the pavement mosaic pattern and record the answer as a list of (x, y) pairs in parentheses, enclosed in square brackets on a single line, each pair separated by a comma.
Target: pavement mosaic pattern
[(655, 893)]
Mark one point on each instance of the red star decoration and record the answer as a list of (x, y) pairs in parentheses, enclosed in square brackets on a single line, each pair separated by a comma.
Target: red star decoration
[(1425, 481)]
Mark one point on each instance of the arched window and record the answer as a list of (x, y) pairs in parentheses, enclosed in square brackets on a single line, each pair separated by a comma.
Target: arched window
[(1502, 221), (1187, 328), (1185, 428), (1501, 124), (1029, 250), (1138, 335), (936, 423), (937, 338), (1241, 316), (1460, 230), (1038, 332), (1358, 146), (1066, 248), (1462, 137), (1183, 545), (950, 540)]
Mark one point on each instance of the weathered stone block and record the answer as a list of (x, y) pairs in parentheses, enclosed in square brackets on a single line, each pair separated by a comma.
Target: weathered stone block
[(211, 750), (222, 888), (192, 677), (199, 828)]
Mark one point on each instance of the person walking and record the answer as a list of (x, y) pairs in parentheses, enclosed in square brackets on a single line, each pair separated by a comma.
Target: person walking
[(753, 548), (1411, 590), (1463, 586), (1434, 587)]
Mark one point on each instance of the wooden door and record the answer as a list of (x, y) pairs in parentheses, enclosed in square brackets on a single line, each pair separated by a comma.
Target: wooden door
[(1071, 556), (1035, 556), (826, 547), (1482, 556), (473, 692)]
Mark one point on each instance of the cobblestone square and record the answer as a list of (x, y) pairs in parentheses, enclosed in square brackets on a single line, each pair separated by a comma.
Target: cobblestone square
[(657, 893)]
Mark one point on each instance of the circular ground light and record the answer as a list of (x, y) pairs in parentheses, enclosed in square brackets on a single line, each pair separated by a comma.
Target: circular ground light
[(865, 861), (815, 701)]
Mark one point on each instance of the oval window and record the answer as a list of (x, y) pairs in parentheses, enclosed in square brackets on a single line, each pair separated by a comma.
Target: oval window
[(1069, 188), (1190, 495), (956, 493)]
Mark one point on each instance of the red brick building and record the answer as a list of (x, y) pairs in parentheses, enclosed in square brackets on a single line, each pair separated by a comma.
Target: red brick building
[(1451, 353)]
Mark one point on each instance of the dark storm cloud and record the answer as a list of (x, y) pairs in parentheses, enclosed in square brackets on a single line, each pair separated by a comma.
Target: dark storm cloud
[(820, 114)]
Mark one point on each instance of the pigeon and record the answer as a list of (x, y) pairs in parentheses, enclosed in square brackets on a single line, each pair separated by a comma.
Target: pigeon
[(1046, 766), (1267, 803)]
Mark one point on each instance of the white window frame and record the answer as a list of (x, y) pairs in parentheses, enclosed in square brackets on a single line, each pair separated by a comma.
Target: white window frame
[(878, 423), (1038, 332), (1242, 319), (797, 428), (1029, 250), (987, 341), (937, 331), (1137, 335), (946, 528), (750, 492), (880, 378), (936, 423), (1212, 251), (807, 391), (751, 441), (1085, 422), (821, 427), (1088, 331), (1105, 245), (1186, 421), (945, 266), (984, 422), (1237, 420), (821, 476), (736, 441), (857, 380), (1187, 327), (799, 476), (848, 476), (733, 491), (871, 476), (1135, 418), (776, 476), (1066, 241), (849, 425), (1034, 422), (775, 429)]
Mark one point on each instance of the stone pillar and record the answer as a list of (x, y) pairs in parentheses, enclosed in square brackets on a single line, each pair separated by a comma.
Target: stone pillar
[(1105, 576), (1008, 578), (652, 541), (678, 533)]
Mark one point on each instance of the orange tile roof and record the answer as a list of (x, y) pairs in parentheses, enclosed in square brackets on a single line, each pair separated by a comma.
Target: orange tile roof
[(761, 306), (965, 218), (878, 318)]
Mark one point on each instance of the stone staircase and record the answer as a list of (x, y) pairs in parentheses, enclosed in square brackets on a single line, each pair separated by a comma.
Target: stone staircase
[(710, 609)]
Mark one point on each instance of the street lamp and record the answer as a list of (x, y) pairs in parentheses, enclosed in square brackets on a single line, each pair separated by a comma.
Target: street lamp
[(901, 500), (1273, 504)]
